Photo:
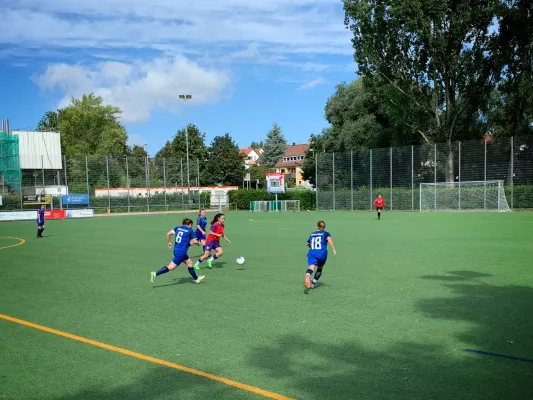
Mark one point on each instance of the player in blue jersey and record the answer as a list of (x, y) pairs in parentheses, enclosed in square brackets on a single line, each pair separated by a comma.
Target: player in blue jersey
[(183, 239), (318, 253), (40, 221), (200, 233)]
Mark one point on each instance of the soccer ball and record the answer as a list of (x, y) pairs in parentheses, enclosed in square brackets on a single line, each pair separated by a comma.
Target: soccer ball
[(240, 260)]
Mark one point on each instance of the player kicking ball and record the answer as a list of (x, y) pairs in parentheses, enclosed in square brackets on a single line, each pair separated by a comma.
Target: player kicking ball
[(318, 253), (183, 240), (379, 203)]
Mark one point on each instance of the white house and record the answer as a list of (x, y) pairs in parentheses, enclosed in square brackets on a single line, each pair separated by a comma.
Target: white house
[(251, 156)]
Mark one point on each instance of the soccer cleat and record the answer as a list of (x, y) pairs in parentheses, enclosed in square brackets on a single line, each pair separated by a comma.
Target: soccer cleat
[(313, 284), (307, 281), (210, 263), (200, 279), (196, 266), (152, 277)]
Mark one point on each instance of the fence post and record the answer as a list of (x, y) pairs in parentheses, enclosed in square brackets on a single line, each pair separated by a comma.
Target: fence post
[(181, 174), (459, 174), (435, 172), (147, 183), (412, 179), (333, 159), (198, 185), (128, 184), (485, 177), (390, 162), (371, 179), (42, 170), (512, 172), (316, 181), (351, 176), (21, 192), (87, 181), (66, 178), (165, 181), (108, 191)]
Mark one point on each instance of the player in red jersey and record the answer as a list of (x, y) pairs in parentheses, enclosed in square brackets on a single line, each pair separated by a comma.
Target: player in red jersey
[(213, 241), (379, 203)]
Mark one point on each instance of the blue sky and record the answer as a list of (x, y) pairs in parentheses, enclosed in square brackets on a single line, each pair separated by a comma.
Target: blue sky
[(247, 64)]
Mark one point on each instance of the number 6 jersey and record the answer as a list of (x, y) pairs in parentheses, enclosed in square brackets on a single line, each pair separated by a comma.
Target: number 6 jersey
[(183, 236)]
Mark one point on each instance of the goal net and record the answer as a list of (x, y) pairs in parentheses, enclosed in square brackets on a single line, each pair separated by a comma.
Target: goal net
[(273, 205), (463, 196)]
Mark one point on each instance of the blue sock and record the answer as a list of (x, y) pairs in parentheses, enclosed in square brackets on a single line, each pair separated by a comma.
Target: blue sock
[(193, 274), (162, 271), (317, 275), (215, 257), (38, 231), (309, 271)]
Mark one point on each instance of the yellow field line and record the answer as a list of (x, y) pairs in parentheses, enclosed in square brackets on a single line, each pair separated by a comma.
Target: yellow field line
[(183, 368), (20, 243)]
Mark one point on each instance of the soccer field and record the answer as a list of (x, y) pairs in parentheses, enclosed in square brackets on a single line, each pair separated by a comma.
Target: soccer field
[(390, 319)]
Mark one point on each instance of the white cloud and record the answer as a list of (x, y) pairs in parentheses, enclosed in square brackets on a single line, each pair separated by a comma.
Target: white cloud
[(290, 26), (137, 88), (313, 83)]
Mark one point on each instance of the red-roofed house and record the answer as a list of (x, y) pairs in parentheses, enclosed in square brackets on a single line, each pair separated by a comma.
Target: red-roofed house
[(251, 156), (291, 163)]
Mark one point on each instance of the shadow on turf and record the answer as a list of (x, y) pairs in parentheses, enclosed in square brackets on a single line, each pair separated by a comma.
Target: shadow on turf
[(159, 383), (498, 319)]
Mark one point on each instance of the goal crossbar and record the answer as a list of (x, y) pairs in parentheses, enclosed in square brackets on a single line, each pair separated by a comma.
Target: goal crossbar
[(464, 196)]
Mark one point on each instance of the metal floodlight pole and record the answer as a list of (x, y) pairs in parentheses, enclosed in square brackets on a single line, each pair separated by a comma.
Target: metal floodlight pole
[(187, 97)]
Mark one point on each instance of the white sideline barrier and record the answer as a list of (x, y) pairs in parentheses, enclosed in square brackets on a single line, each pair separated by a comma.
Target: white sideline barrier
[(18, 216), (80, 213)]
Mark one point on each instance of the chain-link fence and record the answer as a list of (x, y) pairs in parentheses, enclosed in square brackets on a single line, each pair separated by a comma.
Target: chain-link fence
[(121, 184), (352, 180)]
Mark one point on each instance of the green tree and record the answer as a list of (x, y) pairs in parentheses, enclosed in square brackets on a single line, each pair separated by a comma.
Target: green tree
[(225, 164), (175, 154), (257, 145), (434, 57), (49, 122), (274, 148), (258, 173)]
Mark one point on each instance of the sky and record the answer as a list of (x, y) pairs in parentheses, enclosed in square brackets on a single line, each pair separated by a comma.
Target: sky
[(246, 64)]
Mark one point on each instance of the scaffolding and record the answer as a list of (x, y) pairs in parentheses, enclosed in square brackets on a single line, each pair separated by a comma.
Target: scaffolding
[(10, 172)]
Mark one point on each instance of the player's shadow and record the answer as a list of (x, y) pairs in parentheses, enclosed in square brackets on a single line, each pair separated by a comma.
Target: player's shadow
[(176, 281), (457, 276)]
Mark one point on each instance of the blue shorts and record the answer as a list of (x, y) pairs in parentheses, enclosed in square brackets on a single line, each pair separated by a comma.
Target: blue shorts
[(40, 222), (179, 258), (200, 236), (314, 260), (212, 246)]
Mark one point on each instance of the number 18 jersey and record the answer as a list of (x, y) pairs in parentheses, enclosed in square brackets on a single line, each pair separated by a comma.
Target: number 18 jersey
[(318, 244), (182, 239)]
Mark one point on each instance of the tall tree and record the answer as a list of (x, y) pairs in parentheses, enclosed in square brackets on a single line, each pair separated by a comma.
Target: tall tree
[(435, 56), (49, 122), (175, 154), (274, 148), (257, 145), (225, 164)]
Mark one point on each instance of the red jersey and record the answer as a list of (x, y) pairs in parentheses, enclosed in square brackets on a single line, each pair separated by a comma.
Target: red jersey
[(379, 202), (217, 228)]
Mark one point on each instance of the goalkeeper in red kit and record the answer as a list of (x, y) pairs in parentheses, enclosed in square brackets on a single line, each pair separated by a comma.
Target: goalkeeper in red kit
[(379, 203)]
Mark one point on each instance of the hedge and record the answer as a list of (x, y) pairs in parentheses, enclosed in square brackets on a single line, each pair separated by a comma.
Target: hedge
[(241, 198)]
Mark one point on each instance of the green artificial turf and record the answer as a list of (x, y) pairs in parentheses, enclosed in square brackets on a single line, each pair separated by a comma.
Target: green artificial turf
[(390, 319)]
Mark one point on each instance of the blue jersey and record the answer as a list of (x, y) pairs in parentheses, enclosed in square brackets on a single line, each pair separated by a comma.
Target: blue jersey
[(318, 244), (183, 236), (201, 222), (40, 215)]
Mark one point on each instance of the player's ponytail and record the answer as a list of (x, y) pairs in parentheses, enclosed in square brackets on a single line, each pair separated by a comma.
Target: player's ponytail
[(321, 225), (216, 218)]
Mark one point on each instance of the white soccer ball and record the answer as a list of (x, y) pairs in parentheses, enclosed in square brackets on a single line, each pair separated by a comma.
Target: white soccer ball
[(240, 260)]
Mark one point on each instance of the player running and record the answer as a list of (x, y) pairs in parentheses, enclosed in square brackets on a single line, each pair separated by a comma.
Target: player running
[(379, 203), (183, 239), (201, 223), (318, 253), (40, 221), (213, 241)]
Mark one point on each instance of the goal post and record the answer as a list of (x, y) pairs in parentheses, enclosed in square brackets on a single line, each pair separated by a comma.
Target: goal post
[(464, 196), (275, 206)]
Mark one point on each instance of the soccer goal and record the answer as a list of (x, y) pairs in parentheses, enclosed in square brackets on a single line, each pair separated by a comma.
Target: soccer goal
[(463, 196), (275, 205)]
